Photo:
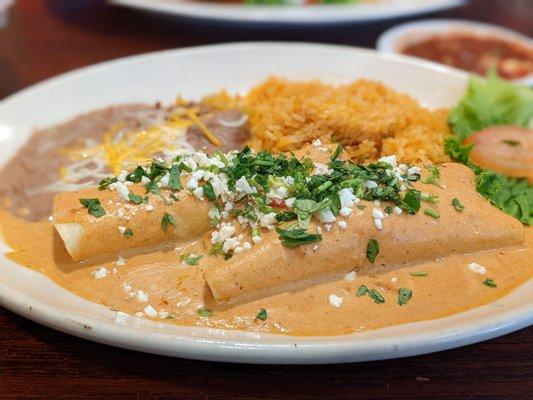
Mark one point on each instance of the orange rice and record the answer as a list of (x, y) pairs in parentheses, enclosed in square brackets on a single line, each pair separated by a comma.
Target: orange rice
[(368, 118)]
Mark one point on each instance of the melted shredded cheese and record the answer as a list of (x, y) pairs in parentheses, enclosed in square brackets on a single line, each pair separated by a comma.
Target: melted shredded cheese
[(121, 149)]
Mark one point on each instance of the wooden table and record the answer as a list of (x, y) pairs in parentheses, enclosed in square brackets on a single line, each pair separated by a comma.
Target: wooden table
[(47, 38)]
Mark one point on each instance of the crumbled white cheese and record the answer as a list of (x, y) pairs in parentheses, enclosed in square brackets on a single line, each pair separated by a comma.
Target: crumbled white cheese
[(335, 301), (342, 224), (370, 184), (394, 279), (100, 273), (192, 184), (378, 224), (326, 216), (322, 169), (347, 198), (122, 229), (127, 288), (290, 201), (120, 261), (267, 220), (256, 239), (345, 211), (199, 193), (246, 246), (231, 244), (377, 214), (350, 276), (164, 180), (389, 160), (150, 311), (243, 185), (478, 269), (121, 318), (397, 210), (413, 171), (328, 227), (225, 232), (122, 190), (141, 296), (219, 186), (315, 247), (149, 207), (317, 143), (139, 314)]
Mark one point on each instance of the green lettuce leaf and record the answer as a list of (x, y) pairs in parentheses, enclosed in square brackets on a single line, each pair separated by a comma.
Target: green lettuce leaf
[(489, 102)]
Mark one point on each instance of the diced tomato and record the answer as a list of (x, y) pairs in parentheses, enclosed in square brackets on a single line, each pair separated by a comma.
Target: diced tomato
[(504, 149), (277, 203)]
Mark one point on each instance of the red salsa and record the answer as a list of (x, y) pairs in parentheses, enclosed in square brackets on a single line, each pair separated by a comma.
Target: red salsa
[(476, 54)]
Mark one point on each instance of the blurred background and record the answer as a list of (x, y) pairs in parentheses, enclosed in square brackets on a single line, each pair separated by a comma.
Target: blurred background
[(43, 38)]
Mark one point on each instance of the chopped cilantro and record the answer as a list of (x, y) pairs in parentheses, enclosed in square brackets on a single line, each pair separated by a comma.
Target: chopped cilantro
[(432, 213), (173, 197), (404, 294), (93, 206), (372, 250), (209, 191), (217, 249), (429, 198), (205, 312), (286, 216), (297, 237), (167, 220), (434, 175), (191, 258), (490, 283), (511, 142), (418, 273), (457, 204), (128, 233), (135, 198), (174, 181), (337, 153), (376, 296), (361, 291), (388, 210), (411, 201), (137, 175), (152, 187), (104, 183), (262, 315)]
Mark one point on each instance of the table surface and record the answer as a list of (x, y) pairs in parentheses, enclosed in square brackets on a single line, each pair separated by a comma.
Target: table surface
[(46, 38)]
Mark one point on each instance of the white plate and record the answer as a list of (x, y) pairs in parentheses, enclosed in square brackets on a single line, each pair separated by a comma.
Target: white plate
[(396, 38), (304, 15), (193, 73)]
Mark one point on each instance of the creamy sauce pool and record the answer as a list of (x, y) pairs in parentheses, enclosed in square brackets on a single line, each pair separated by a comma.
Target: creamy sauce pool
[(177, 291)]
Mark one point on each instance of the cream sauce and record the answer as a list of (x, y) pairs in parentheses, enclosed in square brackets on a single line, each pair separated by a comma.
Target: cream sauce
[(177, 291)]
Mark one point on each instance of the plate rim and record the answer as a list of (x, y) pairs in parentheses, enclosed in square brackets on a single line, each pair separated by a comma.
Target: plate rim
[(267, 15), (296, 350)]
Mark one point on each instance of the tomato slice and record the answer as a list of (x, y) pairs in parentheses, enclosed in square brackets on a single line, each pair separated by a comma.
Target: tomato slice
[(504, 149)]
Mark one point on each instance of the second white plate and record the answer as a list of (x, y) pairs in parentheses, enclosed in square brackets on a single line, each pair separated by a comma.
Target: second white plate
[(294, 15)]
